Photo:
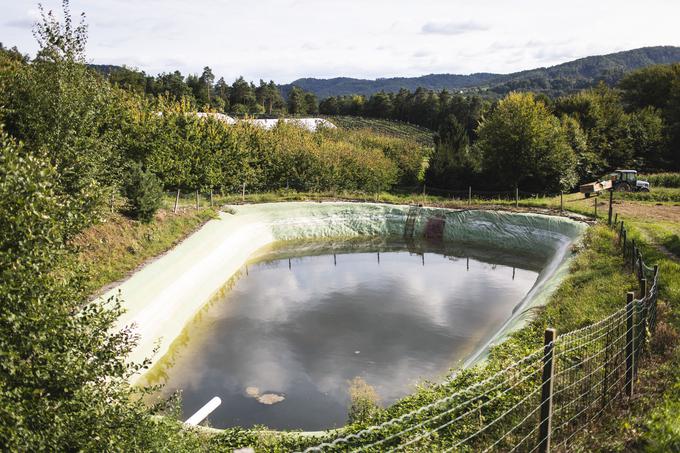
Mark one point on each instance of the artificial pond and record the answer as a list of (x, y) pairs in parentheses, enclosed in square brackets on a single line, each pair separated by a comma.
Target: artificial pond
[(320, 293)]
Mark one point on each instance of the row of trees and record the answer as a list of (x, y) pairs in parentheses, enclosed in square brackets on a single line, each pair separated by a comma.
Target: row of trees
[(204, 92), (424, 107), (636, 125), (543, 144)]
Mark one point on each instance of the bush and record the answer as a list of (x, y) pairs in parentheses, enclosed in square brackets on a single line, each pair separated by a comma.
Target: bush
[(144, 193), (363, 401)]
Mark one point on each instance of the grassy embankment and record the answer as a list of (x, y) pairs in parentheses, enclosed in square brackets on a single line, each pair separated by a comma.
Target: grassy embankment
[(115, 247)]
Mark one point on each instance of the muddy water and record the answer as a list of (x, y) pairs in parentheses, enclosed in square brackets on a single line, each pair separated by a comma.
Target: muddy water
[(281, 346)]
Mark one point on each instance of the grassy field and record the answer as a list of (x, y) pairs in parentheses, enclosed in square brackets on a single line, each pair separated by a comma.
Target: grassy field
[(385, 127)]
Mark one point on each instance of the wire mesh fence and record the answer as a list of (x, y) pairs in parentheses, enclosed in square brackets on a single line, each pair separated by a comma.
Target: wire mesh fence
[(471, 193), (541, 401)]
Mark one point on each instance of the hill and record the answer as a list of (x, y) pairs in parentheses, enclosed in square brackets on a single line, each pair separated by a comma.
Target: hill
[(554, 80)]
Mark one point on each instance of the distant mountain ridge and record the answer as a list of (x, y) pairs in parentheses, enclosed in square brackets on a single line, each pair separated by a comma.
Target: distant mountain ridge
[(554, 80)]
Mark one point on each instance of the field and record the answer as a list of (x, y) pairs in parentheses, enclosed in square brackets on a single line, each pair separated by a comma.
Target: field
[(386, 127)]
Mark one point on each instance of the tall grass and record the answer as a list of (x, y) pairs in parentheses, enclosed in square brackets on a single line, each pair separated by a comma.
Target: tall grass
[(662, 179)]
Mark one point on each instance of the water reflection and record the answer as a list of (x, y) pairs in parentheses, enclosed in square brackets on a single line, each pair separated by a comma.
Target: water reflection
[(298, 329)]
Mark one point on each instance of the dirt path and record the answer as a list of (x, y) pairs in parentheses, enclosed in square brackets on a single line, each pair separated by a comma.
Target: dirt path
[(647, 211)]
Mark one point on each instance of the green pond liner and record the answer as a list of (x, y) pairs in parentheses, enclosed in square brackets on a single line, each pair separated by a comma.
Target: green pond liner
[(165, 295)]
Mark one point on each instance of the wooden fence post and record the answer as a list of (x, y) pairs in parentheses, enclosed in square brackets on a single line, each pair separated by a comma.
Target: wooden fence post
[(176, 202), (616, 219), (652, 323), (516, 196), (633, 254), (611, 200), (545, 427), (605, 369), (625, 239), (630, 338), (595, 203), (644, 313), (469, 195)]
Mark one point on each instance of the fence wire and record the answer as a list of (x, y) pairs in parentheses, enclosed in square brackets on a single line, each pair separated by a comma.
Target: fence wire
[(543, 399)]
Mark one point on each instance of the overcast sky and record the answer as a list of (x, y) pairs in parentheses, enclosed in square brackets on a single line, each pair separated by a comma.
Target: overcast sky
[(287, 39)]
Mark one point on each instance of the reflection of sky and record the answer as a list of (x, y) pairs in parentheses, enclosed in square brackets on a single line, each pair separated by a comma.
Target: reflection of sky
[(305, 332)]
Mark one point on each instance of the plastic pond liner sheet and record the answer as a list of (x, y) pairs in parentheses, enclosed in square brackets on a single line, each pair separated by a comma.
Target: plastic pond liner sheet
[(165, 295)]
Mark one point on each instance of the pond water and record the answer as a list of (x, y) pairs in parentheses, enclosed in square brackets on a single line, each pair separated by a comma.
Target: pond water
[(280, 347)]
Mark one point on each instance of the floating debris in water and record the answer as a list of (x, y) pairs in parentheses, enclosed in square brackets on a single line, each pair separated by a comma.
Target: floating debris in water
[(264, 398), (270, 398)]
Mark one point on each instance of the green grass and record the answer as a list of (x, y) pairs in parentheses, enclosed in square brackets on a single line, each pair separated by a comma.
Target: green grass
[(662, 179), (650, 422), (386, 127), (117, 246), (662, 194)]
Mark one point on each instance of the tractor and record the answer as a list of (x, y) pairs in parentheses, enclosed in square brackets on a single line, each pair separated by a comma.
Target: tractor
[(619, 181), (626, 181)]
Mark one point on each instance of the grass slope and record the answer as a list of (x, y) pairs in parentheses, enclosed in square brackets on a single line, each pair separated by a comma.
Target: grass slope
[(112, 249)]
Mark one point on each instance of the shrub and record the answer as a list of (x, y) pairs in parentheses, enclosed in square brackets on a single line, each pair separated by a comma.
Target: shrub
[(144, 193), (363, 401)]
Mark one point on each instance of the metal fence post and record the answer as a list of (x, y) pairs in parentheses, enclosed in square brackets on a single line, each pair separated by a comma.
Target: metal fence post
[(561, 201), (469, 195), (611, 199), (516, 196), (630, 338), (176, 202), (545, 427), (595, 204)]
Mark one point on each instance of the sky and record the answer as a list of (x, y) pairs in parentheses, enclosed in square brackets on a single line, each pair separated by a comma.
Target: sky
[(287, 39)]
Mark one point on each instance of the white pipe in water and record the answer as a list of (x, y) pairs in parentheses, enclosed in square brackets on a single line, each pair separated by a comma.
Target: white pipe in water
[(203, 412)]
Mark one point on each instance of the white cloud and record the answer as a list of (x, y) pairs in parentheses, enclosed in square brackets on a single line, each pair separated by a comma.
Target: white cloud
[(287, 39), (451, 28)]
